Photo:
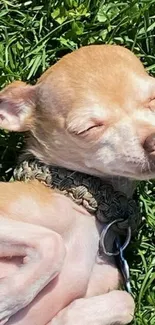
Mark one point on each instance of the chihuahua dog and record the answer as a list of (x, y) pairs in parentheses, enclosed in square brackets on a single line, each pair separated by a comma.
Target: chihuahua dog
[(93, 112)]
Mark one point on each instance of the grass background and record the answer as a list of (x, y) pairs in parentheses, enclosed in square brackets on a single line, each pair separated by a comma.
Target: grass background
[(35, 34)]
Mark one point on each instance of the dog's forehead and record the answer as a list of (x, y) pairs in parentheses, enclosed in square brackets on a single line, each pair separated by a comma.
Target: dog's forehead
[(100, 68), (103, 59), (93, 78)]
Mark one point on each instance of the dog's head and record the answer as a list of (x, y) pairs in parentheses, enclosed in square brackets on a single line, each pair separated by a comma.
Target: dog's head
[(93, 111)]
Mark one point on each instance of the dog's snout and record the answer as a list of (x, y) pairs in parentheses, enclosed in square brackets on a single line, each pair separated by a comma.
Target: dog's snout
[(149, 144)]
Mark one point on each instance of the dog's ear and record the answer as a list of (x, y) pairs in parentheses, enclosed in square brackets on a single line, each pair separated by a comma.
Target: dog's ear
[(17, 103)]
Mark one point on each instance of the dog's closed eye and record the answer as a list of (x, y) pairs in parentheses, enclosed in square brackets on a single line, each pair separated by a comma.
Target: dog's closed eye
[(88, 131), (152, 104), (93, 128), (87, 122)]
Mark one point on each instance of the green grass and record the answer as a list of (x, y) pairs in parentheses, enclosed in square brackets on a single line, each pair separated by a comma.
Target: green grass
[(35, 34)]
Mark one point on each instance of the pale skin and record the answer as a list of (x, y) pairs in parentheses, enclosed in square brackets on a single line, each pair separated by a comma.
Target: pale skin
[(95, 116)]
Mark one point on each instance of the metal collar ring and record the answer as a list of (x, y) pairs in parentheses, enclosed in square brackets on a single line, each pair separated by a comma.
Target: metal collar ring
[(103, 238)]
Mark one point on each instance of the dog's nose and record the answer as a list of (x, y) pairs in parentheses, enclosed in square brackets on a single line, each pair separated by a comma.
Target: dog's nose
[(149, 144)]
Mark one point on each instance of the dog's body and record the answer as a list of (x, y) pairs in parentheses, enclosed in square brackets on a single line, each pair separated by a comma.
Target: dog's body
[(93, 112), (82, 274)]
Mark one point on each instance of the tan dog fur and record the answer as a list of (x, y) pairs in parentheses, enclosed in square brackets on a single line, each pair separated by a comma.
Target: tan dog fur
[(93, 111)]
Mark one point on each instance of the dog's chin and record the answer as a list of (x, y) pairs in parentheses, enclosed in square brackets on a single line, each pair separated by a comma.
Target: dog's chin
[(146, 171), (138, 175), (141, 172)]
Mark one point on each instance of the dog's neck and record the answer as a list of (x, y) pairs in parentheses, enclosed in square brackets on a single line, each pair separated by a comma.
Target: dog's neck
[(122, 184), (97, 197)]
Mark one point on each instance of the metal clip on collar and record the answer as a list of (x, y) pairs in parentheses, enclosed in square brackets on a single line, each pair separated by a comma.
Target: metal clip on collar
[(121, 261), (124, 267)]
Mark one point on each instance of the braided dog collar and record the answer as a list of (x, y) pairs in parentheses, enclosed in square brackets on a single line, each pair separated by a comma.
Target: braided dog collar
[(96, 196)]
